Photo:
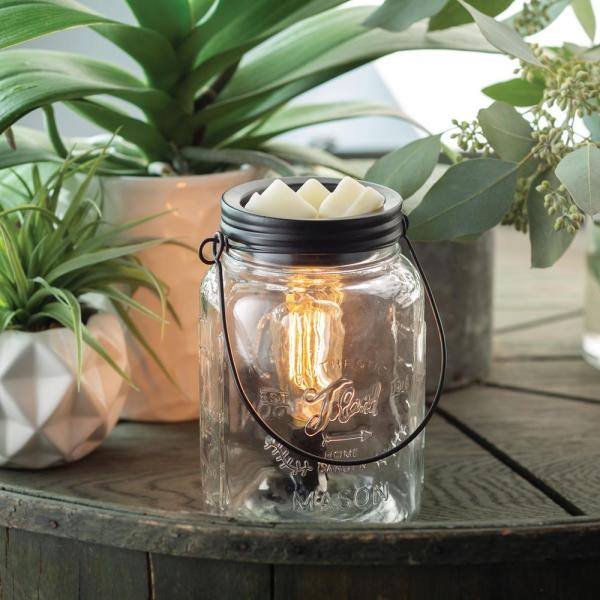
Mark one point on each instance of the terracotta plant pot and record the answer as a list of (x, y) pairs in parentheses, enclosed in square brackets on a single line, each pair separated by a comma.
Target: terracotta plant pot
[(46, 420), (194, 204)]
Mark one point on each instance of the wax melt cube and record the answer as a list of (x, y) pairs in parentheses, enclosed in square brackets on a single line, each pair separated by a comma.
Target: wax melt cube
[(314, 192), (279, 200), (340, 200), (367, 202)]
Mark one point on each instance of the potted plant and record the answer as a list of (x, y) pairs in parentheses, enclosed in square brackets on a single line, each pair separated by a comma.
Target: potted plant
[(63, 358), (218, 79)]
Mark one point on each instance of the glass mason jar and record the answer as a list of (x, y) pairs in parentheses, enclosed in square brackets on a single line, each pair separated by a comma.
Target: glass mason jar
[(591, 324), (326, 330)]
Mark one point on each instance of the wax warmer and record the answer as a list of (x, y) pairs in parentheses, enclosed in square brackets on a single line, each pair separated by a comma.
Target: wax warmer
[(312, 366)]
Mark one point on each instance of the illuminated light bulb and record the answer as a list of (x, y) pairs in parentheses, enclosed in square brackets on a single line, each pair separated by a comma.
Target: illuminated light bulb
[(311, 342)]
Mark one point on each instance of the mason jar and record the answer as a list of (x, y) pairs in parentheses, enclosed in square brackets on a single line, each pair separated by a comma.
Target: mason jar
[(325, 331)]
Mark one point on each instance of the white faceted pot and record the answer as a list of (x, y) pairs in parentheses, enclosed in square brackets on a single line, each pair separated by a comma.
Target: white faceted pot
[(45, 420), (194, 203)]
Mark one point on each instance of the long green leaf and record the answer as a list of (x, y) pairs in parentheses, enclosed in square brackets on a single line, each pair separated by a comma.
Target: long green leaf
[(303, 115), (67, 299), (470, 198), (398, 16), (30, 19), (172, 18), (502, 36), (584, 12), (311, 157), (454, 14), (407, 169), (142, 134), (234, 156), (58, 312), (314, 51), (32, 78), (93, 258)]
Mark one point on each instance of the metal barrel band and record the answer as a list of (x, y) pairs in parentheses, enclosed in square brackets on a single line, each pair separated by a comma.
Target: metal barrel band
[(219, 245)]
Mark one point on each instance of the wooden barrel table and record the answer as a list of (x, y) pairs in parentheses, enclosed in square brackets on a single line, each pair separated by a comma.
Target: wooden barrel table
[(511, 506)]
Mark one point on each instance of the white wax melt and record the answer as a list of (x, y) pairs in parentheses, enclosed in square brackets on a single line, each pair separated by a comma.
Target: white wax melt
[(367, 202), (339, 201), (280, 200), (314, 192)]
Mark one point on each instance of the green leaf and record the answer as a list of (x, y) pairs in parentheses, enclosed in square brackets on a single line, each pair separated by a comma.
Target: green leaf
[(312, 157), (454, 14), (142, 134), (395, 15), (470, 198), (172, 18), (10, 250), (303, 115), (233, 156), (93, 258), (151, 50), (517, 92), (30, 19), (592, 122), (60, 313), (506, 130), (585, 15), (407, 169), (502, 36), (579, 172), (310, 53), (199, 8), (32, 78), (547, 245)]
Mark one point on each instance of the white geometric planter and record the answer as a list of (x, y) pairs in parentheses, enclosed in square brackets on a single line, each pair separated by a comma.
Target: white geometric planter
[(44, 419), (194, 205)]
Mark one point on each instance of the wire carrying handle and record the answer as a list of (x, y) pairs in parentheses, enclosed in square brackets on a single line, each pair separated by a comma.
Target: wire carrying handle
[(219, 245)]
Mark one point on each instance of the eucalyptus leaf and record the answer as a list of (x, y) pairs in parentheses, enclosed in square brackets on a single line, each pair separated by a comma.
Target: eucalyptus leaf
[(407, 169), (395, 15), (506, 130), (454, 14), (517, 92), (584, 12), (502, 36), (592, 122), (547, 244), (470, 198), (579, 171)]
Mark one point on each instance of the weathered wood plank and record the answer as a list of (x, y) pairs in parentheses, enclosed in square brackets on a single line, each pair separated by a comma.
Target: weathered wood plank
[(197, 579), (53, 568), (561, 338), (535, 292), (555, 439), (152, 467), (571, 378), (516, 580), (463, 482)]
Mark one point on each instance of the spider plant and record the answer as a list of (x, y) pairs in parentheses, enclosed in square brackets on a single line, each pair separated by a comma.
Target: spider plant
[(56, 255), (217, 75)]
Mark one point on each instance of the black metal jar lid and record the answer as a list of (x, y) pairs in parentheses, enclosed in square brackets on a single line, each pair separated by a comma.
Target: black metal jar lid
[(371, 231)]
